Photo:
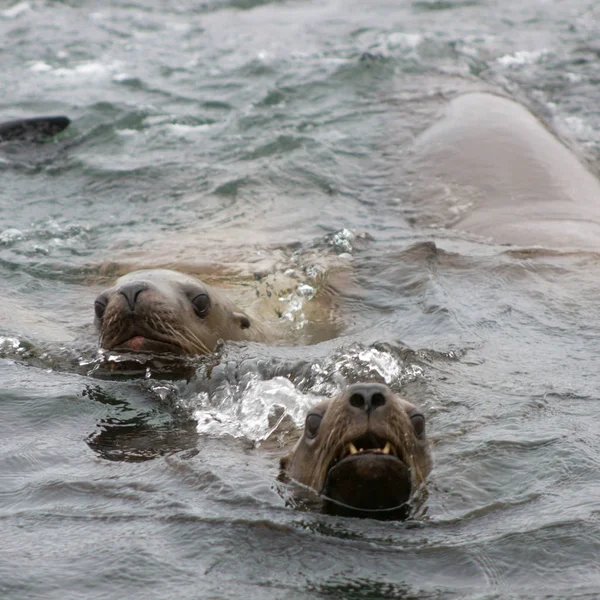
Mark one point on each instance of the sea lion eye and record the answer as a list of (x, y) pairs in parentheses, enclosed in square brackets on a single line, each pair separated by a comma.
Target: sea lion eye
[(201, 304), (100, 306), (313, 421), (418, 423)]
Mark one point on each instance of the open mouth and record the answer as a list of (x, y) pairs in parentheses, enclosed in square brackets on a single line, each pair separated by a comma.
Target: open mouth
[(370, 479), (141, 344), (366, 444)]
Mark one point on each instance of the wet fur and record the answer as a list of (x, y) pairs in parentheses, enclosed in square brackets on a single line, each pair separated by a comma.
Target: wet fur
[(309, 461), (164, 313)]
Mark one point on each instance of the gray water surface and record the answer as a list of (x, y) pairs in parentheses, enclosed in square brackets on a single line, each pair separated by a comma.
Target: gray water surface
[(233, 137)]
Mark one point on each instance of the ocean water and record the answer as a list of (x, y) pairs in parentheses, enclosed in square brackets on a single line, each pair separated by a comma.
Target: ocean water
[(233, 138)]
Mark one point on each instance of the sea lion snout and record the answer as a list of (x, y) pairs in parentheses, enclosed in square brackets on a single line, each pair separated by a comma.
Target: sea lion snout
[(366, 397), (131, 292)]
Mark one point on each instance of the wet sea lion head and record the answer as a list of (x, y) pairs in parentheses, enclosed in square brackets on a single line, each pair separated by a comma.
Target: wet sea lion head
[(162, 311), (365, 451)]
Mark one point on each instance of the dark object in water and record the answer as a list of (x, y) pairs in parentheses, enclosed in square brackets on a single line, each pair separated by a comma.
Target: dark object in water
[(34, 130)]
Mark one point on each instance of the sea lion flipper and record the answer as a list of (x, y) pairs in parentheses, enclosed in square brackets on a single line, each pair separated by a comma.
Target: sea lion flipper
[(34, 130)]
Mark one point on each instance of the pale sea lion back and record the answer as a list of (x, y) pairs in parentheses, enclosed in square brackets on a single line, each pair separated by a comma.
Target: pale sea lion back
[(496, 171)]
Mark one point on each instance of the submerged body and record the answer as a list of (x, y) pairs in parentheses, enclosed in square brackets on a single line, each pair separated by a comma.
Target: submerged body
[(500, 174), (163, 311), (365, 451)]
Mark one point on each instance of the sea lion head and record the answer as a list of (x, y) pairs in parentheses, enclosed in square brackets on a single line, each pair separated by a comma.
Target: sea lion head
[(162, 311), (364, 451)]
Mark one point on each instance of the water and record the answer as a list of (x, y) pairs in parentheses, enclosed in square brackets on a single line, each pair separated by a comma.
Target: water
[(234, 138)]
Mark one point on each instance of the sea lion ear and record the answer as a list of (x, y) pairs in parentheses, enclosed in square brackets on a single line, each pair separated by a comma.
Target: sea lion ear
[(242, 319)]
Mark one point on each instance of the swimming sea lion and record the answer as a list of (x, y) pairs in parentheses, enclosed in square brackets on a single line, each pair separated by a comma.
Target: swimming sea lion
[(491, 168), (163, 311), (33, 130), (365, 451)]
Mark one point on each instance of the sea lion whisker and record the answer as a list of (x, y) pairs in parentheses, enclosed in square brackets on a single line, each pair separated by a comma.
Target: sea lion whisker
[(189, 336), (194, 343), (160, 324), (175, 334), (184, 340)]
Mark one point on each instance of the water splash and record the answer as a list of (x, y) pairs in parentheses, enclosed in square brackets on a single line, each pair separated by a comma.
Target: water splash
[(252, 399), (10, 345), (522, 57), (19, 9), (47, 237), (356, 364), (294, 304), (261, 409), (9, 236)]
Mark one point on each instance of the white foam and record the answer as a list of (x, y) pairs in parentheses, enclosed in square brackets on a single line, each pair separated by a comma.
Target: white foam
[(9, 343), (386, 44), (522, 57), (186, 131), (343, 239), (383, 363), (403, 40), (365, 364), (179, 26), (16, 11), (8, 236), (580, 127), (90, 70), (121, 77), (40, 66)]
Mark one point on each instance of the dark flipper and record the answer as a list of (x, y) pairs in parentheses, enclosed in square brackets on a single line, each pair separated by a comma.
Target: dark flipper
[(34, 130)]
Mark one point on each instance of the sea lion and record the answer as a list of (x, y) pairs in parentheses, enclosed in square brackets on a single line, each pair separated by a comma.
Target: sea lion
[(162, 311), (33, 130), (491, 168), (365, 451)]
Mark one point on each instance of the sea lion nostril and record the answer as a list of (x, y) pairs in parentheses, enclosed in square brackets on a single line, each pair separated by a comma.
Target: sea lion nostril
[(367, 400), (377, 399), (357, 400)]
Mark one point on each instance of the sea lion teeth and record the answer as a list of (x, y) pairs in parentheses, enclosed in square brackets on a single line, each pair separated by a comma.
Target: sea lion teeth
[(387, 448), (352, 448)]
